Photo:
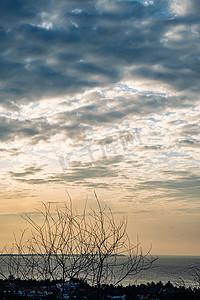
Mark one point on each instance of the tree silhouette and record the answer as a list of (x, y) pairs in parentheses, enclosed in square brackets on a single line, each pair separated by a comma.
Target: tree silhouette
[(67, 244)]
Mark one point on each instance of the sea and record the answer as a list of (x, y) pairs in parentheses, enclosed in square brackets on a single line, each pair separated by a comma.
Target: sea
[(176, 269), (179, 270)]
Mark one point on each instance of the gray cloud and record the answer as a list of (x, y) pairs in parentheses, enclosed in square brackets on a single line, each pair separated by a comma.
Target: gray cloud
[(86, 173), (50, 49), (79, 174), (182, 183), (154, 147), (12, 151), (105, 111), (185, 188), (27, 171), (15, 128), (192, 143), (36, 130)]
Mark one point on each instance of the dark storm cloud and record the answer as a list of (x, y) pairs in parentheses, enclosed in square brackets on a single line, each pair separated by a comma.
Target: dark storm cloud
[(50, 48)]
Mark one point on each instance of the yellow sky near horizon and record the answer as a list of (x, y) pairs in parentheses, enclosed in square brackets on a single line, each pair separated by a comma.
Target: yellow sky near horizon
[(168, 232)]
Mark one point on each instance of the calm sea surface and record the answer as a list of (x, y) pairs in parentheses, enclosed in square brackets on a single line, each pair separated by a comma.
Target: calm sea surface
[(175, 269), (167, 268)]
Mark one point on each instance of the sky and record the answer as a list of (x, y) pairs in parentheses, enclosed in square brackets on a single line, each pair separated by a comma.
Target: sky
[(103, 95)]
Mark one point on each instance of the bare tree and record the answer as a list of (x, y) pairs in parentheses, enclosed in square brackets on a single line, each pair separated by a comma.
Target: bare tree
[(66, 244), (112, 256)]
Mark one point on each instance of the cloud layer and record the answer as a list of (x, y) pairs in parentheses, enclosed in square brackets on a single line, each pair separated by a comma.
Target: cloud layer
[(52, 49)]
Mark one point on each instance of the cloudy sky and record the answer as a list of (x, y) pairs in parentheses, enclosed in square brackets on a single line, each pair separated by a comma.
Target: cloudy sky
[(103, 95)]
